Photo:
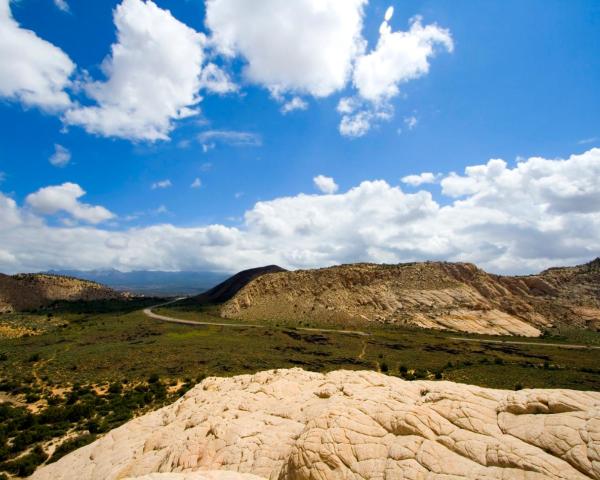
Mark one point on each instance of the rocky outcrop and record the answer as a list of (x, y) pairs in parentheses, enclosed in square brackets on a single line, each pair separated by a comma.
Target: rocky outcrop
[(31, 291), (455, 296), (298, 425)]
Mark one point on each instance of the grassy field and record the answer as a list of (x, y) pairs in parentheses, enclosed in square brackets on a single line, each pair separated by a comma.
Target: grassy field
[(79, 370)]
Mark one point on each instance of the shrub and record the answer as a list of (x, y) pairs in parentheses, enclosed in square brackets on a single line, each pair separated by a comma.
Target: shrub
[(34, 357), (384, 367), (153, 378), (115, 388), (25, 465), (518, 386), (70, 445)]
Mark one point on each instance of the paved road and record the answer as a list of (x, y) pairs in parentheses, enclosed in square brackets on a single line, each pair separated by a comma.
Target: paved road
[(514, 342), (149, 313)]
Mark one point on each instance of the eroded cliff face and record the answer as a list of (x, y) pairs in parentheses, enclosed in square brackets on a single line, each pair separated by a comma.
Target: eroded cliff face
[(30, 291), (455, 296), (298, 425)]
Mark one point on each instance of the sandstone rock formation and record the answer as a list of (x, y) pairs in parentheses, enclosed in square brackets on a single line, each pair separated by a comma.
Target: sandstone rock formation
[(298, 425), (455, 296), (30, 291)]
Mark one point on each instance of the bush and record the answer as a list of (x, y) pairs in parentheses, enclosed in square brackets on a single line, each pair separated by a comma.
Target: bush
[(70, 445), (25, 465), (153, 378), (34, 357), (115, 388), (518, 386), (384, 367)]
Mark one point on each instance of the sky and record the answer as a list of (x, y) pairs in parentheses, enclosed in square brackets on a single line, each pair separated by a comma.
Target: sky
[(227, 134)]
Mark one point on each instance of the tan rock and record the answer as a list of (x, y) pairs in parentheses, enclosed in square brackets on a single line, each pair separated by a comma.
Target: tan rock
[(31, 291), (298, 425), (439, 295)]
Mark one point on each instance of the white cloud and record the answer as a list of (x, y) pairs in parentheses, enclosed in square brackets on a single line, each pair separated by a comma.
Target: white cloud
[(586, 141), (216, 80), (197, 183), (162, 184), (398, 58), (411, 122), (358, 117), (519, 219), (32, 70), (229, 137), (62, 5), (304, 46), (296, 103), (61, 156), (153, 76), (325, 184), (421, 179), (65, 198)]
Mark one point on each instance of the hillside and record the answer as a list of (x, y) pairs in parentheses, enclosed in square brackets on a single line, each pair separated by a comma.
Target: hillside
[(34, 290), (298, 425), (439, 295), (227, 289)]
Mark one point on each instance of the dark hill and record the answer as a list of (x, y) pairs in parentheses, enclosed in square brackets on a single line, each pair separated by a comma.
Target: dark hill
[(227, 289)]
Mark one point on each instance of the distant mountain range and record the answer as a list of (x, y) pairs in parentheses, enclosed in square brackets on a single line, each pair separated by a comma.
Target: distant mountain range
[(146, 282)]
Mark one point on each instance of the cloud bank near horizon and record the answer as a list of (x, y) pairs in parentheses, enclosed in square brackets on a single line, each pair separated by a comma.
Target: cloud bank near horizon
[(538, 213)]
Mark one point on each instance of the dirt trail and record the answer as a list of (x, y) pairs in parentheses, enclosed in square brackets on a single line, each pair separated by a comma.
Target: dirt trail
[(149, 313), (515, 342)]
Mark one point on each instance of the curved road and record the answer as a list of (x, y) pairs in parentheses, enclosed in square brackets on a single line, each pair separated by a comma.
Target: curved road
[(149, 313)]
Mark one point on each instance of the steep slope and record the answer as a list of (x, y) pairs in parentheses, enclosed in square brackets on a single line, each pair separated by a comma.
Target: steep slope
[(297, 425), (30, 291), (227, 289), (455, 296)]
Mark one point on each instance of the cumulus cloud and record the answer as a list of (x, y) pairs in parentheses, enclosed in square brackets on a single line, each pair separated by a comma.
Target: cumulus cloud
[(515, 219), (359, 116), (296, 103), (162, 184), (325, 184), (216, 80), (420, 179), (229, 137), (61, 156), (398, 57), (32, 70), (65, 198), (153, 76), (304, 46), (197, 183)]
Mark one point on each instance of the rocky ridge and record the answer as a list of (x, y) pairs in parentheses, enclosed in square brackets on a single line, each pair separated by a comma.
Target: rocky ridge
[(442, 295), (35, 290), (298, 425)]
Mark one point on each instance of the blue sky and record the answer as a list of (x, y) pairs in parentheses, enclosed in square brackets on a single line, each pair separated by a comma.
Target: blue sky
[(505, 80)]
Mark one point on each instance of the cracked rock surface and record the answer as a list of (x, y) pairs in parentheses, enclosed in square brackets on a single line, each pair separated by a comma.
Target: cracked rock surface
[(298, 425)]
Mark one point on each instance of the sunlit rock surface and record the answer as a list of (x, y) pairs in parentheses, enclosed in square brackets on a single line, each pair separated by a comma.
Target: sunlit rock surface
[(293, 424)]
